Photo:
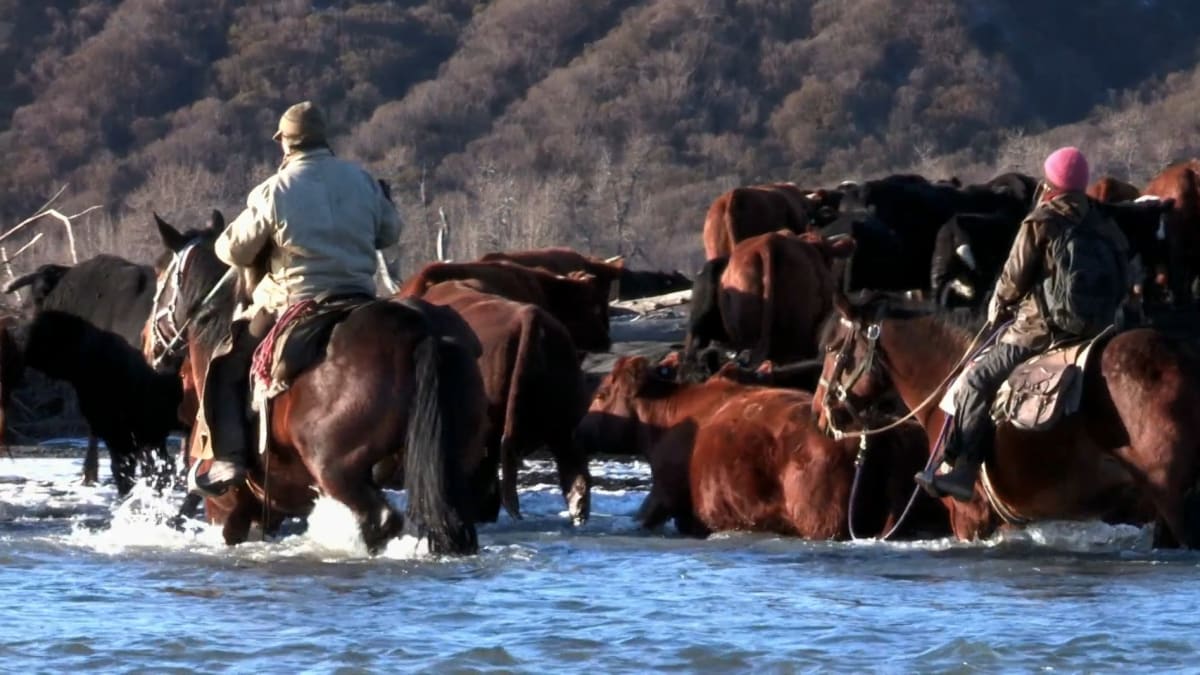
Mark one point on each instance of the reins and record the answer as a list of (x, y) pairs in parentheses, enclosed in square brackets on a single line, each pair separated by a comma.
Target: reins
[(872, 334), (173, 276)]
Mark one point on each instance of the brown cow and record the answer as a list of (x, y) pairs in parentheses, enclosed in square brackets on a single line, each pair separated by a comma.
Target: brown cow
[(1181, 182), (627, 284), (1110, 190), (579, 301), (775, 292), (535, 392), (726, 456), (564, 261), (744, 212)]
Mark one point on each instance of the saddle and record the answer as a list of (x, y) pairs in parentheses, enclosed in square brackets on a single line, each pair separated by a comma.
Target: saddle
[(1046, 388), (298, 341), (1042, 390)]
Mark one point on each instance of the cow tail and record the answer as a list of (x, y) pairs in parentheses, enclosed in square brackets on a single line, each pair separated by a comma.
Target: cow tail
[(518, 383), (737, 201), (768, 317)]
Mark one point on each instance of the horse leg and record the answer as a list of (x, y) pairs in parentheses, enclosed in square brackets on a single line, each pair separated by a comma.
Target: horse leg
[(574, 479), (377, 521), (239, 519), (91, 461)]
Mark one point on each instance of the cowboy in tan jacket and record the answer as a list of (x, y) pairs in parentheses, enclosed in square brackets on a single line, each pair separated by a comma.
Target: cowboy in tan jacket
[(311, 229)]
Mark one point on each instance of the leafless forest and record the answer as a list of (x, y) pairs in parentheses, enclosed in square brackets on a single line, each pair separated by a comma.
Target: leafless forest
[(608, 125)]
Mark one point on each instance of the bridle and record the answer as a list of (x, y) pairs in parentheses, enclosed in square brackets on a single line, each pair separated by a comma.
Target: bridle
[(166, 333), (839, 385)]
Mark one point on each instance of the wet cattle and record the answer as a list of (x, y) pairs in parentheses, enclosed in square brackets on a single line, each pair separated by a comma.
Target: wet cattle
[(776, 290), (1181, 183), (726, 456), (626, 284), (744, 212), (535, 393), (110, 293), (971, 248), (128, 405), (579, 300)]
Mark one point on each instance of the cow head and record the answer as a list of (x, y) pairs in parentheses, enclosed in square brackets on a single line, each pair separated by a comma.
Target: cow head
[(580, 301), (614, 417), (41, 282), (832, 248)]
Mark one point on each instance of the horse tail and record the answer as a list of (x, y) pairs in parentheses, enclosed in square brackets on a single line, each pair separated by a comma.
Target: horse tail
[(437, 431)]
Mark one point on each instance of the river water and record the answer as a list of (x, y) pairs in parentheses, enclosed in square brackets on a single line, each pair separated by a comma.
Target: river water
[(87, 584)]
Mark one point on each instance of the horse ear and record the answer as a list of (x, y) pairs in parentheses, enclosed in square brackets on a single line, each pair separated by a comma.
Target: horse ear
[(171, 238), (842, 304), (629, 373), (216, 221)]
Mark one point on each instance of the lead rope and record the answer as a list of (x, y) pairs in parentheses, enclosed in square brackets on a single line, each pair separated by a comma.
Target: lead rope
[(938, 449)]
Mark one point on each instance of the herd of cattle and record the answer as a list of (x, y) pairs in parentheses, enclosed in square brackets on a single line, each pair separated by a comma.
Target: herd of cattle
[(731, 443)]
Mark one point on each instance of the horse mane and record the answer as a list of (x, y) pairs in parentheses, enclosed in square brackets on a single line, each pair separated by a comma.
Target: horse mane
[(211, 322), (952, 328)]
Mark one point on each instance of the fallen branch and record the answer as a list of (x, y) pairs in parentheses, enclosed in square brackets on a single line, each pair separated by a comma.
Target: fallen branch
[(44, 211), (645, 305)]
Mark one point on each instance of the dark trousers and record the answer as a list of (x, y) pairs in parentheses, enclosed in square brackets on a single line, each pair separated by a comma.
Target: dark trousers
[(972, 431), (228, 390)]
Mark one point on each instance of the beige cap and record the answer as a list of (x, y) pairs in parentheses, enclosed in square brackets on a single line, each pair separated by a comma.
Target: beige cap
[(302, 122)]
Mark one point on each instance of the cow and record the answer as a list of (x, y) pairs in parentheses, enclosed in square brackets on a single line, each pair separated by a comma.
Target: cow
[(972, 248), (579, 300), (744, 212), (1108, 189), (126, 403), (535, 391), (726, 456), (879, 260), (109, 292), (775, 292), (627, 284), (704, 315), (1181, 182)]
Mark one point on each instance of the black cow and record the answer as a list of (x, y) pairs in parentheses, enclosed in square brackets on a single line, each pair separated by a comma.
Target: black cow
[(704, 315), (128, 405), (879, 260), (111, 293), (971, 248)]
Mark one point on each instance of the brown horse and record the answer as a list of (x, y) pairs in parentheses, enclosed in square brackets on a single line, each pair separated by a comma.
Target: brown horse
[(397, 385), (725, 456), (535, 392), (1133, 441)]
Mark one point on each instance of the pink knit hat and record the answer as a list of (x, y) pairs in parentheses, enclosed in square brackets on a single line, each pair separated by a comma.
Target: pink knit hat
[(1067, 169)]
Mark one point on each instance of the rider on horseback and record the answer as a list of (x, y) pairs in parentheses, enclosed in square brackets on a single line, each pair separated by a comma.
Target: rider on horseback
[(1040, 264), (311, 229)]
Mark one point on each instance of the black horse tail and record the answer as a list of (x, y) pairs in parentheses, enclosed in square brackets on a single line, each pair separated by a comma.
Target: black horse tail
[(437, 486)]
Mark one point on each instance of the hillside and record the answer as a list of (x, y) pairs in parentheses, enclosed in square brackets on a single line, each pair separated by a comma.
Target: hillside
[(607, 124)]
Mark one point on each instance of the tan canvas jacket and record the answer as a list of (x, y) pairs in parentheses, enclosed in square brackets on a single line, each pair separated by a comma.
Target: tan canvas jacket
[(319, 220), (1028, 265)]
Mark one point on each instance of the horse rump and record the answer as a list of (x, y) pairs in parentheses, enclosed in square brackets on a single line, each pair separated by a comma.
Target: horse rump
[(439, 429)]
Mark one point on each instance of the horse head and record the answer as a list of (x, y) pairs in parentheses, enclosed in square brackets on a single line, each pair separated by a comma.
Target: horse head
[(189, 277), (852, 377)]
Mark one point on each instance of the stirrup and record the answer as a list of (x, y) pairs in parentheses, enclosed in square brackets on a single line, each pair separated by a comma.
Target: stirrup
[(201, 485), (926, 480)]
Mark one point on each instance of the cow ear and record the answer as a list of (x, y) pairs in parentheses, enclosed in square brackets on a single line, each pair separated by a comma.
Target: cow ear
[(216, 221), (171, 238), (841, 246)]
